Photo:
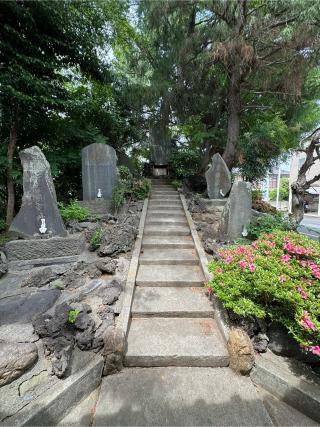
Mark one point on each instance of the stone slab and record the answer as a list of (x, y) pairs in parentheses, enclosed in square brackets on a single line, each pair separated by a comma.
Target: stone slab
[(282, 414), (162, 242), (165, 207), (169, 256), (175, 342), (99, 171), (15, 266), (166, 213), (23, 308), (218, 178), (171, 302), (159, 220), (166, 275), (96, 207), (179, 397), (290, 381), (51, 407), (45, 248)]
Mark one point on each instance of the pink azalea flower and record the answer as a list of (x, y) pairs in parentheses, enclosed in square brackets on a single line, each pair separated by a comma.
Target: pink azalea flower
[(285, 258), (219, 270), (316, 350), (302, 293), (254, 245), (309, 282), (242, 264), (289, 247), (282, 278), (241, 249), (300, 250), (303, 263), (252, 267), (306, 322), (228, 260), (209, 291)]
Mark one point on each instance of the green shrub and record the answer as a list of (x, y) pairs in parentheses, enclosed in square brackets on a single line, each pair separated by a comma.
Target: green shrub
[(177, 183), (3, 225), (141, 188), (124, 173), (276, 278), (96, 239), (73, 211), (136, 189), (119, 195), (72, 315), (267, 224)]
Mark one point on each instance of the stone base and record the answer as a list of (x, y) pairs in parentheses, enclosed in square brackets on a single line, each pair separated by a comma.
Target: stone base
[(45, 248), (97, 207)]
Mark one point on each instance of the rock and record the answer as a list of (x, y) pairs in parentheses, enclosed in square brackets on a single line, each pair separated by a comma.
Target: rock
[(218, 178), (15, 359), (39, 199), (119, 238), (99, 171), (111, 295), (114, 347), (260, 342), (241, 352), (3, 264), (282, 344), (60, 349), (85, 340), (17, 332), (84, 321), (73, 280), (236, 214), (39, 277), (107, 265), (211, 247), (24, 308)]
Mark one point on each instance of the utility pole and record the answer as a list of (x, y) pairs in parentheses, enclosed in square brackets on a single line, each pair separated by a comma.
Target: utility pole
[(278, 187)]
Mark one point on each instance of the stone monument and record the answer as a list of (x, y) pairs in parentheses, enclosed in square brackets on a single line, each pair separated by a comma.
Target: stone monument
[(99, 171), (159, 149), (39, 213), (218, 178), (236, 214)]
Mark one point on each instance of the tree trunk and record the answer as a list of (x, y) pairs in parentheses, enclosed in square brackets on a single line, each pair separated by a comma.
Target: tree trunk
[(10, 184), (297, 210), (234, 109)]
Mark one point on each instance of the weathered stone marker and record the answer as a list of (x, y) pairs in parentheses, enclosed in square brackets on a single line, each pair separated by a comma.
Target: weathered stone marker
[(236, 214), (39, 199), (99, 171), (218, 178)]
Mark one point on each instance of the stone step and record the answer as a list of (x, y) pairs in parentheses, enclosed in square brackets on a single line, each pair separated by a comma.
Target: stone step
[(161, 192), (165, 205), (168, 257), (167, 213), (167, 275), (162, 242), (171, 302), (179, 397), (166, 230), (175, 341), (165, 196), (158, 220)]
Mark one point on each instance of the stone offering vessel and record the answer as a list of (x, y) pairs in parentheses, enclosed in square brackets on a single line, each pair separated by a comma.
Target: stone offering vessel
[(99, 171), (39, 199), (218, 178)]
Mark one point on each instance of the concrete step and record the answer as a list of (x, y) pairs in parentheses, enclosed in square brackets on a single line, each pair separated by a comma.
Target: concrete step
[(162, 242), (167, 275), (169, 257), (166, 230), (179, 397), (171, 302), (159, 220), (165, 196), (167, 213), (161, 192), (175, 342)]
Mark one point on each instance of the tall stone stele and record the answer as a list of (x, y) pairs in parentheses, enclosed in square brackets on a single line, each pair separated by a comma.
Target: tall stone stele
[(39, 199), (218, 178), (99, 171), (237, 211)]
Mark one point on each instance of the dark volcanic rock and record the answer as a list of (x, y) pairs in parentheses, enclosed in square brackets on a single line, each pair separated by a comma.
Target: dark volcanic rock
[(120, 237), (25, 307), (107, 265), (39, 197), (39, 277), (260, 342), (60, 349)]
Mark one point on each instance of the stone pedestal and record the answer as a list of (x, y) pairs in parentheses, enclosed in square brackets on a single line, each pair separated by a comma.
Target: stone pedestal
[(99, 171), (39, 199), (218, 178)]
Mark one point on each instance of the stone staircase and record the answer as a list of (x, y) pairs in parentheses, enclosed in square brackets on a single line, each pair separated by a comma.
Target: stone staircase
[(172, 320)]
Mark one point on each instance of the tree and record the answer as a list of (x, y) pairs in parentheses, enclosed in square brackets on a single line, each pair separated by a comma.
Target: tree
[(302, 184), (283, 190), (38, 40)]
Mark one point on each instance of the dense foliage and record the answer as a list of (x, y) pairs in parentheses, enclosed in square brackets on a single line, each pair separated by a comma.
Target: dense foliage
[(73, 211), (129, 188), (277, 278), (268, 223)]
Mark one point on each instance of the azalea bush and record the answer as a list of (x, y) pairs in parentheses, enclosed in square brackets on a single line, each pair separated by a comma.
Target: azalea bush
[(269, 223), (276, 278)]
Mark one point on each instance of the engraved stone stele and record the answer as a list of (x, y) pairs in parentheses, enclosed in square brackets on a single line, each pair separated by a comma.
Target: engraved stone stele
[(236, 214), (99, 171), (159, 146), (218, 178), (39, 199)]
